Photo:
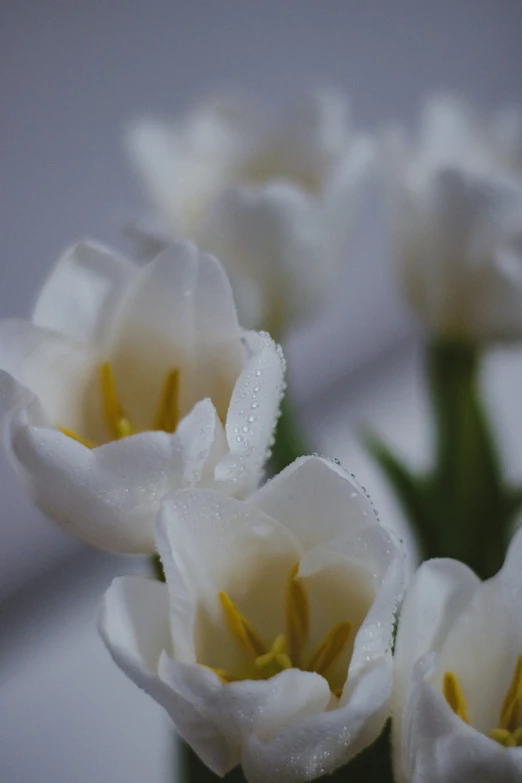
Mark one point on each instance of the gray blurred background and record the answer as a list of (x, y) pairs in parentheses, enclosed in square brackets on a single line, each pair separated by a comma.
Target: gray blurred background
[(72, 74)]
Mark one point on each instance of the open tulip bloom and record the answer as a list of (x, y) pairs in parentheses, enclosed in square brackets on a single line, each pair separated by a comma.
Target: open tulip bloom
[(270, 643), (276, 202), (458, 690), (130, 382)]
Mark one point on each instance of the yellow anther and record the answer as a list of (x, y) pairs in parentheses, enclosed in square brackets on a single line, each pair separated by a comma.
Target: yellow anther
[(277, 657), (283, 661), (120, 426), (118, 422), (70, 434), (454, 696), (240, 628), (511, 712), (503, 737), (167, 416), (329, 650), (297, 615)]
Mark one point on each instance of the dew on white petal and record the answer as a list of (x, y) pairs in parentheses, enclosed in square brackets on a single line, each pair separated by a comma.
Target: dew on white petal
[(251, 418)]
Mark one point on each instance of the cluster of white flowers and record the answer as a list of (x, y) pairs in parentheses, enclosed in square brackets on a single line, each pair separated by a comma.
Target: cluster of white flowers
[(140, 417), (279, 204)]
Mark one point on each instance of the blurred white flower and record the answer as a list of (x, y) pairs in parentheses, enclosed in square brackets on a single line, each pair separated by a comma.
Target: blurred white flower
[(270, 644), (458, 690), (456, 221), (452, 134), (131, 382), (278, 202)]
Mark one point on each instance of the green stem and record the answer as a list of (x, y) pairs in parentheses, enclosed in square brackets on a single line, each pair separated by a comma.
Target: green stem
[(467, 492), (463, 508), (289, 442)]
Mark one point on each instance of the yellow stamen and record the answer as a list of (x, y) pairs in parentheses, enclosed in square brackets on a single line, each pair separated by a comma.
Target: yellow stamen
[(70, 434), (504, 737), (277, 657), (240, 628), (511, 712), (287, 649), (454, 696), (167, 417), (297, 615), (329, 650), (117, 420)]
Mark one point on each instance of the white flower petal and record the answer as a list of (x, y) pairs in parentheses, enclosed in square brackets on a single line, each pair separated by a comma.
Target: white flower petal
[(492, 617), (202, 440), (252, 415), (316, 499), (108, 496), (511, 573), (447, 750), (134, 624), (456, 208), (155, 334), (306, 145), (220, 353), (184, 166), (192, 694), (59, 371), (267, 237), (154, 151), (82, 292), (435, 597), (199, 535), (376, 546), (339, 590), (451, 133), (17, 400), (316, 744)]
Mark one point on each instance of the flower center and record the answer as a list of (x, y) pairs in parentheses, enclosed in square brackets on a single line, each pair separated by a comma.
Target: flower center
[(509, 730), (287, 650), (120, 426)]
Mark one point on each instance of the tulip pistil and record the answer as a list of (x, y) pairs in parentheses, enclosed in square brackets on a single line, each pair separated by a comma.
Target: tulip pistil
[(509, 730), (119, 424), (287, 650)]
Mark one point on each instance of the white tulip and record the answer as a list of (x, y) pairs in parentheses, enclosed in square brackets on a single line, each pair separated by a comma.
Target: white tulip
[(458, 690), (453, 134), (278, 202), (455, 201), (131, 382), (270, 644)]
